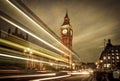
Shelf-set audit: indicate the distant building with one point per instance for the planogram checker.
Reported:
(110, 57)
(88, 65)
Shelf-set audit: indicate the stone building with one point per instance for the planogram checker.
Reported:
(110, 57)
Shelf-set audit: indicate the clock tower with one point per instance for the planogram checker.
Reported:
(66, 35)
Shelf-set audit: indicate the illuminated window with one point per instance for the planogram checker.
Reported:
(116, 50)
(104, 57)
(101, 60)
(117, 54)
(117, 57)
(112, 50)
(113, 54)
(106, 65)
(108, 57)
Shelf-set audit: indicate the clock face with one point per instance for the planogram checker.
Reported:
(64, 31)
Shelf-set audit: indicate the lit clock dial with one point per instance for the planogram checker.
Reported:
(64, 31)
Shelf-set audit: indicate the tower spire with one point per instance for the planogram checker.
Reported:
(66, 14)
(66, 19)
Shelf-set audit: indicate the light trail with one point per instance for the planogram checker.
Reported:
(78, 73)
(33, 75)
(23, 47)
(31, 34)
(40, 28)
(47, 53)
(28, 59)
(50, 78)
(38, 19)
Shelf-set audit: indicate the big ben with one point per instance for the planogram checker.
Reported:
(66, 35)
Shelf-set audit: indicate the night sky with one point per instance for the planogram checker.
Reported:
(92, 22)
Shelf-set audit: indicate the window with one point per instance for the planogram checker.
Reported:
(113, 54)
(108, 57)
(117, 57)
(101, 61)
(107, 65)
(116, 50)
(117, 54)
(104, 57)
(112, 50)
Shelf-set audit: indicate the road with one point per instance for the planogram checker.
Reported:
(73, 78)
(49, 77)
(80, 78)
(68, 78)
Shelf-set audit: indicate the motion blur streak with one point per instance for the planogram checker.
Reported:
(33, 35)
(51, 78)
(40, 28)
(5, 55)
(78, 73)
(15, 76)
(22, 47)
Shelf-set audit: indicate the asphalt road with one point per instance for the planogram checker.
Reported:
(77, 78)
(81, 77)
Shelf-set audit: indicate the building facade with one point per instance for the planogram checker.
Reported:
(66, 35)
(110, 57)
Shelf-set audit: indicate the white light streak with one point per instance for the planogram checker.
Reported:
(51, 78)
(78, 73)
(33, 75)
(26, 50)
(28, 59)
(41, 29)
(31, 34)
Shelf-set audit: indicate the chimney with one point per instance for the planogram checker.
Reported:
(9, 31)
(109, 42)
